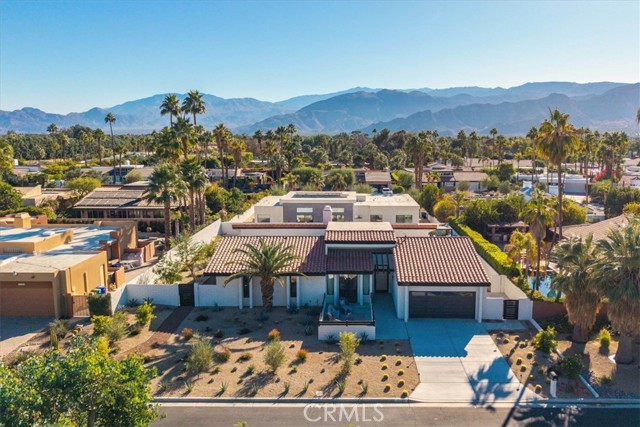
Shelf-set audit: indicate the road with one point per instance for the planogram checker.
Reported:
(267, 415)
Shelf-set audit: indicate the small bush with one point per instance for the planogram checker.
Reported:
(401, 372)
(387, 387)
(530, 355)
(201, 318)
(60, 328)
(218, 333)
(99, 305)
(117, 327)
(383, 358)
(385, 377)
(302, 355)
(364, 387)
(254, 390)
(341, 386)
(604, 338)
(187, 333)
(348, 346)
(287, 387)
(332, 339)
(404, 394)
(144, 313)
(606, 380)
(398, 362)
(250, 370)
(274, 335)
(506, 341)
(384, 367)
(571, 366)
(274, 356)
(102, 344)
(99, 324)
(519, 361)
(244, 357)
(400, 383)
(305, 386)
(538, 388)
(200, 357)
(132, 302)
(224, 355)
(545, 340)
(223, 388)
(357, 361)
(523, 368)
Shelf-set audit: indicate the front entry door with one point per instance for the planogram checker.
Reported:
(349, 288)
(382, 281)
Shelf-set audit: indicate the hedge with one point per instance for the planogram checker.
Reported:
(99, 305)
(497, 259)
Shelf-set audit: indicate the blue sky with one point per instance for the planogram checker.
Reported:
(63, 56)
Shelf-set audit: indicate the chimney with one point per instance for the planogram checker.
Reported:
(22, 220)
(327, 213)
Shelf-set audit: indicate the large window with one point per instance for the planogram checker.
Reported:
(304, 215)
(293, 286)
(375, 218)
(400, 219)
(337, 214)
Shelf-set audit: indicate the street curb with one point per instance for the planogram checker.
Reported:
(251, 400)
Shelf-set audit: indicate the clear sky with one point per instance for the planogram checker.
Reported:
(63, 56)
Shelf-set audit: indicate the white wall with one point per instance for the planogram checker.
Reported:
(325, 331)
(279, 293)
(118, 298)
(161, 294)
(492, 308)
(275, 231)
(224, 296)
(312, 290)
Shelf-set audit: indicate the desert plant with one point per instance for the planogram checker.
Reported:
(332, 339)
(117, 327)
(357, 361)
(400, 383)
(163, 385)
(383, 358)
(218, 333)
(287, 387)
(305, 386)
(348, 346)
(60, 328)
(188, 384)
(224, 355)
(387, 387)
(132, 302)
(545, 340)
(187, 333)
(398, 362)
(274, 335)
(523, 368)
(222, 388)
(604, 338)
(254, 390)
(246, 356)
(200, 357)
(53, 337)
(401, 372)
(341, 385)
(538, 388)
(530, 355)
(404, 394)
(302, 355)
(571, 366)
(364, 387)
(385, 377)
(250, 370)
(102, 344)
(363, 337)
(308, 330)
(144, 313)
(274, 356)
(519, 361)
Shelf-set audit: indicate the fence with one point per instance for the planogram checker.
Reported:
(160, 294)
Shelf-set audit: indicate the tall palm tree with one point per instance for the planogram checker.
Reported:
(86, 138)
(259, 136)
(539, 214)
(520, 243)
(222, 135)
(185, 134)
(53, 130)
(111, 119)
(192, 173)
(418, 147)
(575, 258)
(281, 133)
(194, 104)
(166, 145)
(171, 106)
(99, 137)
(165, 187)
(237, 148)
(532, 136)
(557, 140)
(270, 263)
(616, 273)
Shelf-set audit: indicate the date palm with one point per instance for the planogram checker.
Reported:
(270, 262)
(111, 119)
(259, 136)
(237, 148)
(418, 148)
(194, 104)
(539, 214)
(575, 258)
(185, 134)
(222, 136)
(617, 275)
(165, 187)
(557, 139)
(99, 137)
(171, 106)
(192, 173)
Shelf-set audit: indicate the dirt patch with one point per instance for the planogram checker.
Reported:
(243, 333)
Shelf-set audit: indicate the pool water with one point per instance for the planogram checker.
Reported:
(545, 286)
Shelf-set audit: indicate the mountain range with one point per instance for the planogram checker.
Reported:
(605, 106)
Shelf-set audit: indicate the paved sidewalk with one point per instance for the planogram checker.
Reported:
(458, 362)
(15, 331)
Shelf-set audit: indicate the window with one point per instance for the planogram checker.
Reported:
(293, 286)
(246, 283)
(375, 218)
(366, 284)
(330, 284)
(337, 214)
(264, 218)
(304, 215)
(400, 219)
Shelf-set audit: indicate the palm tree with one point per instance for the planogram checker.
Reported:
(539, 214)
(418, 147)
(575, 258)
(616, 273)
(166, 145)
(259, 136)
(99, 137)
(222, 135)
(557, 140)
(53, 130)
(459, 198)
(281, 133)
(270, 263)
(185, 134)
(532, 135)
(165, 187)
(194, 104)
(189, 170)
(86, 138)
(171, 106)
(237, 148)
(111, 119)
(521, 242)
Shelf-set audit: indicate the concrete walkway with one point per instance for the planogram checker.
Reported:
(458, 362)
(15, 331)
(388, 326)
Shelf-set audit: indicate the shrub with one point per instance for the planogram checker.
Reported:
(305, 386)
(571, 366)
(200, 356)
(385, 377)
(60, 328)
(274, 335)
(250, 370)
(53, 337)
(187, 333)
(116, 327)
(538, 388)
(224, 355)
(201, 318)
(384, 367)
(357, 361)
(244, 357)
(398, 362)
(99, 305)
(604, 338)
(302, 355)
(102, 345)
(505, 341)
(400, 372)
(348, 346)
(341, 386)
(287, 387)
(99, 324)
(274, 356)
(383, 358)
(401, 383)
(545, 340)
(530, 355)
(519, 361)
(218, 333)
(132, 302)
(223, 388)
(491, 253)
(144, 313)
(387, 387)
(364, 387)
(404, 394)
(523, 368)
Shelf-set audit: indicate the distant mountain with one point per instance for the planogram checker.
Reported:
(298, 102)
(612, 110)
(527, 90)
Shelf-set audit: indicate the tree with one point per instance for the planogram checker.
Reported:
(557, 140)
(308, 176)
(165, 187)
(444, 209)
(418, 147)
(575, 258)
(111, 119)
(348, 345)
(185, 134)
(194, 104)
(539, 214)
(195, 179)
(405, 179)
(268, 262)
(518, 243)
(171, 106)
(82, 385)
(428, 197)
(341, 179)
(83, 185)
(237, 148)
(10, 198)
(616, 274)
(191, 256)
(6, 158)
(222, 135)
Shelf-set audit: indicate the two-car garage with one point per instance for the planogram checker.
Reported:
(437, 304)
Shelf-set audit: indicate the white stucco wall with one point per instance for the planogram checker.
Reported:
(224, 296)
(160, 294)
(492, 308)
(312, 290)
(279, 293)
(118, 298)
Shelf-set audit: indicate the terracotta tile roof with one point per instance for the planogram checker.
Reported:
(438, 261)
(598, 229)
(360, 236)
(309, 248)
(343, 261)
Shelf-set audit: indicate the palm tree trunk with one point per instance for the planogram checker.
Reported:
(624, 354)
(580, 334)
(560, 199)
(167, 226)
(192, 210)
(266, 286)
(537, 285)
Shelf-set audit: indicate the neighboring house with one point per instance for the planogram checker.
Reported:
(46, 270)
(340, 206)
(630, 180)
(448, 179)
(36, 196)
(120, 173)
(571, 184)
(474, 179)
(599, 230)
(347, 267)
(378, 179)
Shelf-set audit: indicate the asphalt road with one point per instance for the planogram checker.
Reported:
(392, 416)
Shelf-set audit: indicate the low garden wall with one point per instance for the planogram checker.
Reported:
(543, 310)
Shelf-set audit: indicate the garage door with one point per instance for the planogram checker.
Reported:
(456, 305)
(32, 299)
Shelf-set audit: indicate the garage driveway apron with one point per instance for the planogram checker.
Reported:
(458, 362)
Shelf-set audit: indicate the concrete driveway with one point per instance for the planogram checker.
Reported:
(15, 331)
(458, 362)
